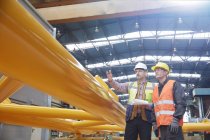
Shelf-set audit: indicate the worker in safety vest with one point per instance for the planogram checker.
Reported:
(169, 105)
(138, 116)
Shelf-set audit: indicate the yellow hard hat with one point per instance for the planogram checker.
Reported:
(161, 65)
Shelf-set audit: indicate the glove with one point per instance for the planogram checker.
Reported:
(155, 128)
(174, 126)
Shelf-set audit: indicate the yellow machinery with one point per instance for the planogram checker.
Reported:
(30, 55)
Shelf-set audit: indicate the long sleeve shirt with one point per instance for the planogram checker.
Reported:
(120, 87)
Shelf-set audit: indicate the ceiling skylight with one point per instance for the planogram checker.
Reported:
(147, 58)
(152, 74)
(135, 36)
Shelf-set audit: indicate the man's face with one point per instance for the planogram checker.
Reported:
(140, 74)
(160, 73)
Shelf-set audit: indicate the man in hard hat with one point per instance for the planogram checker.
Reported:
(138, 117)
(169, 104)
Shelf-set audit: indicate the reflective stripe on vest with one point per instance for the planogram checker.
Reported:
(164, 102)
(164, 112)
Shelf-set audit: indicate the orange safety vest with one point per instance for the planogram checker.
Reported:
(164, 104)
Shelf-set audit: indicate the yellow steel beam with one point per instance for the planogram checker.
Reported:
(46, 112)
(88, 123)
(90, 138)
(196, 127)
(44, 64)
(6, 101)
(8, 86)
(112, 128)
(94, 138)
(51, 123)
(54, 124)
(65, 125)
(109, 91)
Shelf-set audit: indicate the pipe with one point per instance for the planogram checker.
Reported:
(8, 86)
(47, 112)
(109, 91)
(44, 64)
(91, 138)
(196, 127)
(54, 124)
(95, 138)
(112, 128)
(74, 126)
(88, 123)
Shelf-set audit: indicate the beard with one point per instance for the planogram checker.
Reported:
(138, 77)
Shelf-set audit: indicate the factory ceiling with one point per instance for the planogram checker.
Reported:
(114, 35)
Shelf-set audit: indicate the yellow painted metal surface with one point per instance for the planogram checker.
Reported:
(46, 112)
(8, 86)
(98, 138)
(196, 127)
(46, 117)
(6, 101)
(109, 91)
(54, 124)
(90, 138)
(187, 127)
(88, 123)
(43, 63)
(112, 128)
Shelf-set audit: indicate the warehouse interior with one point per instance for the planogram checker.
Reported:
(55, 55)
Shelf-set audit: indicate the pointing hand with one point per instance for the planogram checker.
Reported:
(109, 75)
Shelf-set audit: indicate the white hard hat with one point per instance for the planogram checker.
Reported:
(140, 66)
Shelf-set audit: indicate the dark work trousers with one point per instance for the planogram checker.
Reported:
(165, 134)
(136, 127)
